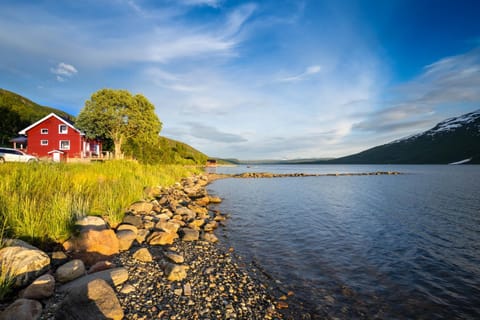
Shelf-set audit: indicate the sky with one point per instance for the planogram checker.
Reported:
(274, 79)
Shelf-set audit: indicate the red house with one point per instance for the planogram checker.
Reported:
(56, 138)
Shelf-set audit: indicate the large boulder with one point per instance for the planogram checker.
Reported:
(23, 261)
(92, 300)
(91, 222)
(70, 271)
(93, 245)
(115, 276)
(167, 226)
(41, 288)
(22, 309)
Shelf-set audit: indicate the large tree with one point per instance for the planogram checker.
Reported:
(120, 116)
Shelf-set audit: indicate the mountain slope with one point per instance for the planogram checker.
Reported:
(452, 140)
(18, 112)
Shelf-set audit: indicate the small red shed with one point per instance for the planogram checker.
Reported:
(52, 135)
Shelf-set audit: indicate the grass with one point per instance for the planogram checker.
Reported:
(40, 202)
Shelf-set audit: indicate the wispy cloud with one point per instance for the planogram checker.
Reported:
(210, 3)
(309, 71)
(450, 83)
(64, 70)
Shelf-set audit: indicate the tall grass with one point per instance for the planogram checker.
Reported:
(39, 202)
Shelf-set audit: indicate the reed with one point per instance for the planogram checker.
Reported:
(39, 203)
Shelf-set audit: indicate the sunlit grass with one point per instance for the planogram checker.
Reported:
(38, 203)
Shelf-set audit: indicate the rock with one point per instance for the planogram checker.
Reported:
(210, 237)
(140, 207)
(143, 255)
(125, 239)
(212, 225)
(162, 238)
(167, 226)
(125, 226)
(153, 192)
(196, 224)
(70, 271)
(93, 245)
(203, 202)
(114, 277)
(22, 309)
(128, 288)
(133, 220)
(93, 300)
(58, 258)
(42, 288)
(187, 289)
(175, 257)
(186, 213)
(148, 225)
(163, 216)
(23, 261)
(91, 222)
(175, 272)
(101, 265)
(214, 199)
(142, 235)
(190, 234)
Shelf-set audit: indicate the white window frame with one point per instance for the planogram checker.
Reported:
(60, 126)
(65, 147)
(44, 142)
(44, 131)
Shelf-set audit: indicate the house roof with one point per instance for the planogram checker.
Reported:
(24, 131)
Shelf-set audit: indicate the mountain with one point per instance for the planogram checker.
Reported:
(19, 112)
(452, 140)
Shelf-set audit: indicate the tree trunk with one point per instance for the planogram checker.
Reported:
(118, 147)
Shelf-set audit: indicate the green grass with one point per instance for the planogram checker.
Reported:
(40, 202)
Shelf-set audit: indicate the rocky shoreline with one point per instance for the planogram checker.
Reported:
(161, 262)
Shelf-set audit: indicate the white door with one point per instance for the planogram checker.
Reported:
(56, 157)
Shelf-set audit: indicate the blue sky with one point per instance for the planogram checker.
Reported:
(254, 79)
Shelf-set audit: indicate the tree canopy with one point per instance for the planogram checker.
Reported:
(120, 116)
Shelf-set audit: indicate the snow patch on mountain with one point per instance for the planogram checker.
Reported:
(448, 125)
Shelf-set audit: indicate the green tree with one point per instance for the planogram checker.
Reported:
(120, 116)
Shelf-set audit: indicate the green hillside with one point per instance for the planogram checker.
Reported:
(18, 112)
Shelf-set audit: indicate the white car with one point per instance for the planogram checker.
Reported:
(13, 155)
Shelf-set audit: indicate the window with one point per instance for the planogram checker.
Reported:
(62, 129)
(44, 131)
(65, 145)
(44, 142)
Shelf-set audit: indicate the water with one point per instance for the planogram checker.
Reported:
(395, 247)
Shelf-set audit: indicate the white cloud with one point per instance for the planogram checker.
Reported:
(63, 71)
(309, 71)
(210, 3)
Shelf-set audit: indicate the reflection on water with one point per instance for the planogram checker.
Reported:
(403, 246)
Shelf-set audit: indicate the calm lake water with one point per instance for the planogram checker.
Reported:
(389, 247)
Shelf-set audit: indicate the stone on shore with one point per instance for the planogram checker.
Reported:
(70, 271)
(210, 237)
(167, 226)
(174, 257)
(93, 245)
(125, 239)
(175, 272)
(142, 235)
(42, 288)
(162, 238)
(114, 276)
(22, 309)
(190, 234)
(92, 300)
(101, 265)
(126, 226)
(141, 207)
(91, 222)
(133, 220)
(143, 255)
(23, 261)
(214, 199)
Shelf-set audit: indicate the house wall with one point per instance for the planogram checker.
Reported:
(53, 137)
